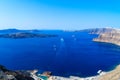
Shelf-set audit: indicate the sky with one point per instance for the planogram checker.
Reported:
(59, 14)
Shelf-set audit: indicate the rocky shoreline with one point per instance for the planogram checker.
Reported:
(6, 74)
(109, 35)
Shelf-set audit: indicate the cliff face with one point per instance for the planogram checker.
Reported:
(109, 36)
(101, 30)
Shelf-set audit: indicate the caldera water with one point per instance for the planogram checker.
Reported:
(71, 53)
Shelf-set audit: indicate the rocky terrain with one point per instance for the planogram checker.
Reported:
(108, 35)
(112, 75)
(25, 35)
(101, 30)
(6, 74)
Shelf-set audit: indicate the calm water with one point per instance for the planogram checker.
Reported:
(75, 54)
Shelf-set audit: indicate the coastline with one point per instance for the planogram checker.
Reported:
(113, 74)
(31, 75)
(96, 40)
(107, 35)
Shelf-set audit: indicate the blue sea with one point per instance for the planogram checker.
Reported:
(71, 53)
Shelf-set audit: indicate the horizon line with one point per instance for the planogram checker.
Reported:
(56, 29)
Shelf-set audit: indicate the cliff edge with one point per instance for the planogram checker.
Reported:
(109, 36)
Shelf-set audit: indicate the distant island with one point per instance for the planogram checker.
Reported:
(108, 35)
(25, 35)
(16, 33)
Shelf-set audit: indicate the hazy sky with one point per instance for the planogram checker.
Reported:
(59, 14)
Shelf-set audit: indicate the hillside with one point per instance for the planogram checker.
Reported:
(108, 35)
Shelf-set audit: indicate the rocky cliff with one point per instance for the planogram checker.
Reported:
(109, 35)
(101, 30)
(6, 74)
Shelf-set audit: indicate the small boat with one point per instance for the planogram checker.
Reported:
(62, 39)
